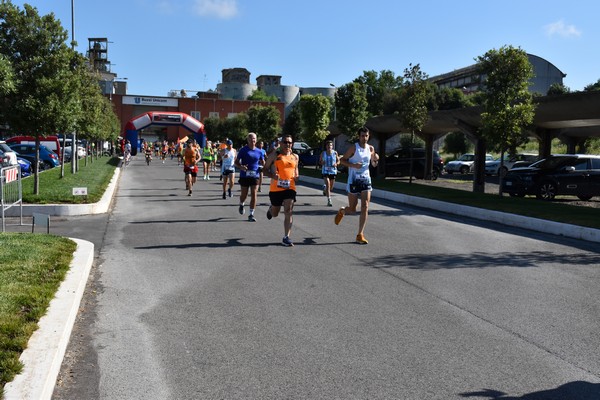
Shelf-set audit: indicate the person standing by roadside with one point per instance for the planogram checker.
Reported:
(282, 167)
(190, 167)
(329, 161)
(248, 160)
(357, 158)
(227, 168)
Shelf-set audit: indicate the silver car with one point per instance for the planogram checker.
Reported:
(496, 168)
(464, 164)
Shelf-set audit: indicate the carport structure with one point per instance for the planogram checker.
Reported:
(571, 117)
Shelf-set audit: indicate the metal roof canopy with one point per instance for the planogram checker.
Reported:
(573, 114)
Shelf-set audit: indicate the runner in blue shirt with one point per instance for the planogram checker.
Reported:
(248, 161)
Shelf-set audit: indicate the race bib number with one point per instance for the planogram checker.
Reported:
(251, 174)
(284, 184)
(329, 170)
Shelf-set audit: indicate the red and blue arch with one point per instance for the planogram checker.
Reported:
(163, 118)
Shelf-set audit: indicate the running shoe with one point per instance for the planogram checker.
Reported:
(339, 216)
(324, 190)
(208, 177)
(329, 203)
(269, 215)
(224, 196)
(229, 192)
(241, 209)
(361, 239)
(251, 218)
(286, 241)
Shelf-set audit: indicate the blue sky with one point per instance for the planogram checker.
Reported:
(163, 45)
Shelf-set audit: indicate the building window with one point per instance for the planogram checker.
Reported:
(195, 114)
(231, 114)
(213, 114)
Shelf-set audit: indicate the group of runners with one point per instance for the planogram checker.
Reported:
(281, 166)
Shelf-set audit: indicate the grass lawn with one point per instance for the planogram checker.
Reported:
(95, 176)
(32, 266)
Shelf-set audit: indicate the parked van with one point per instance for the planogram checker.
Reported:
(51, 142)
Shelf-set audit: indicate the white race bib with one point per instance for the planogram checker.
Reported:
(284, 184)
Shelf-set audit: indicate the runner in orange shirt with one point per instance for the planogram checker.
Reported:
(282, 167)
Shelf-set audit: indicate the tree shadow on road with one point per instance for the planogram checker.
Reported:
(577, 390)
(480, 260)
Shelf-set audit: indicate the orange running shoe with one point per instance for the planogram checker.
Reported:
(361, 239)
(339, 216)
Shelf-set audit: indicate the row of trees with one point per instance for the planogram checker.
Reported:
(46, 86)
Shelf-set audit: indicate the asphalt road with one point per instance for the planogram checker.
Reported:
(188, 300)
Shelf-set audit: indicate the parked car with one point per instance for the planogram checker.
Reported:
(51, 142)
(67, 153)
(8, 156)
(47, 156)
(398, 163)
(308, 157)
(575, 175)
(299, 146)
(25, 167)
(465, 163)
(495, 167)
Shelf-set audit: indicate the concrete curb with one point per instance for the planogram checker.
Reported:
(519, 221)
(46, 348)
(71, 209)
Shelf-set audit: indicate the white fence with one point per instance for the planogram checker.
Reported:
(11, 191)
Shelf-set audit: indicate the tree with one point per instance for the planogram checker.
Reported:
(264, 121)
(45, 99)
(414, 103)
(260, 95)
(315, 117)
(236, 128)
(212, 127)
(445, 98)
(293, 122)
(592, 86)
(7, 76)
(507, 103)
(351, 108)
(456, 143)
(557, 89)
(377, 87)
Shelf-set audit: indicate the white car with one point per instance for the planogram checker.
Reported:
(493, 167)
(80, 153)
(8, 156)
(464, 164)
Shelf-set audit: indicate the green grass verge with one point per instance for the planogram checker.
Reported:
(55, 189)
(527, 206)
(32, 267)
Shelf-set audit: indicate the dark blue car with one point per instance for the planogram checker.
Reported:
(25, 167)
(47, 156)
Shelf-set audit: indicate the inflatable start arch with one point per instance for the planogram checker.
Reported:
(163, 118)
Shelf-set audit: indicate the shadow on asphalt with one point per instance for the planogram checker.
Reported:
(579, 390)
(479, 260)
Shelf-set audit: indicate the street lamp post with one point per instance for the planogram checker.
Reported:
(334, 108)
(334, 112)
(74, 139)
